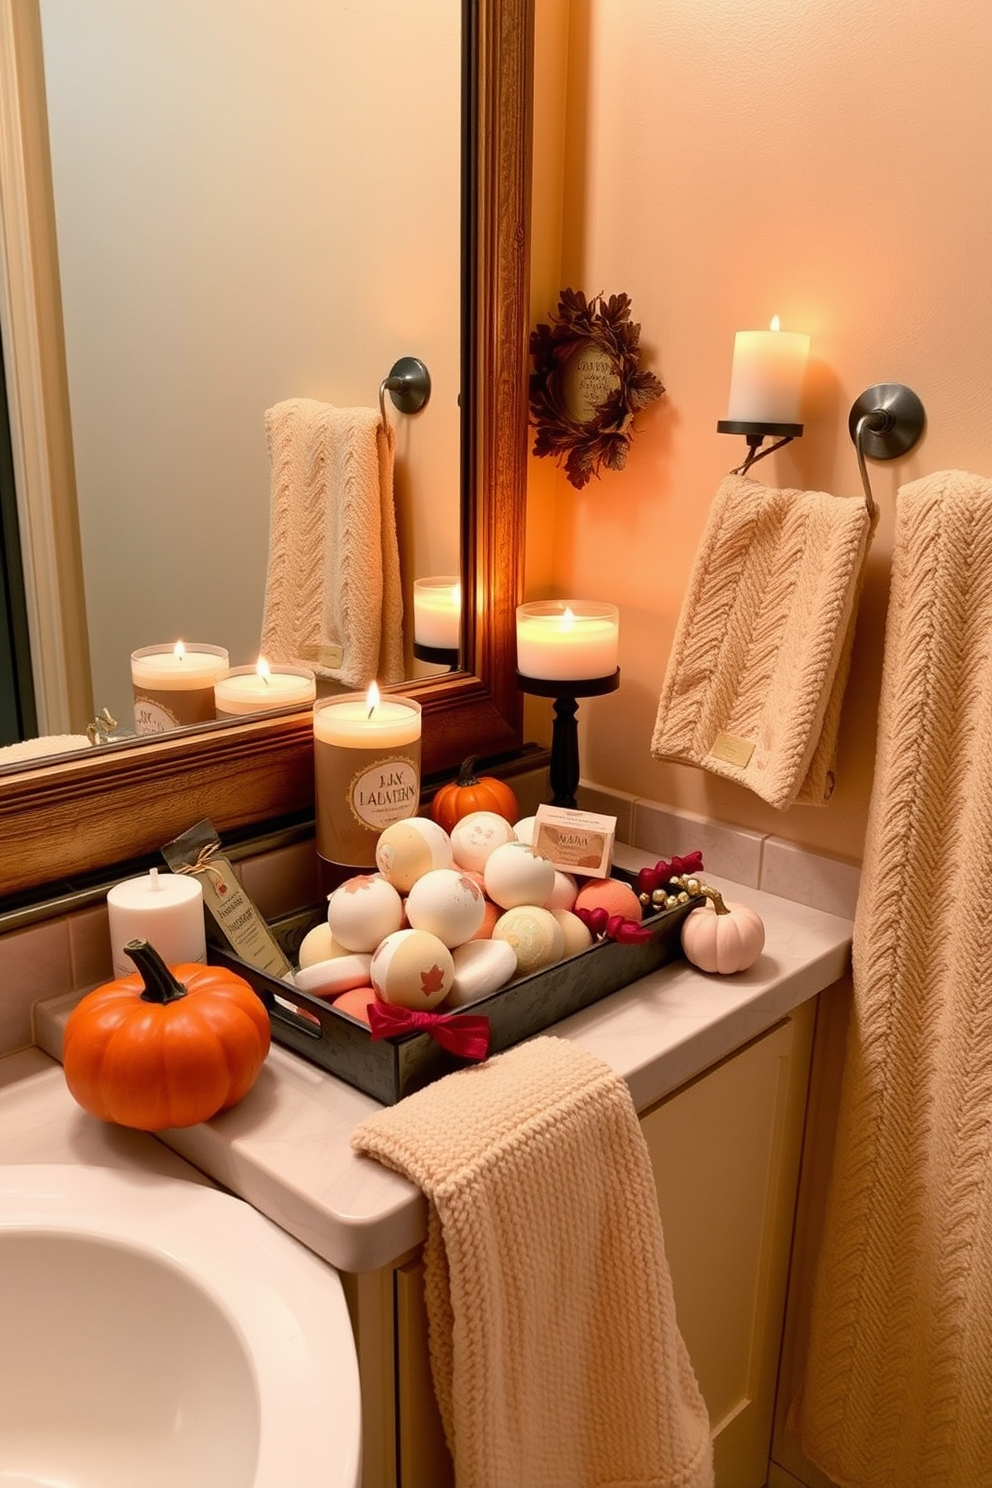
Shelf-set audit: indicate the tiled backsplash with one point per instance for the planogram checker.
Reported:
(73, 951)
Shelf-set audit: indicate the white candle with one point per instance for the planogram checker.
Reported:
(177, 668)
(568, 640)
(766, 379)
(166, 909)
(362, 722)
(437, 613)
(256, 689)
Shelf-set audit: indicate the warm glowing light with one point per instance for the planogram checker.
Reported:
(263, 669)
(179, 651)
(776, 324)
(567, 619)
(373, 698)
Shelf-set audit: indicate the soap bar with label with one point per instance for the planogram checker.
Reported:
(579, 842)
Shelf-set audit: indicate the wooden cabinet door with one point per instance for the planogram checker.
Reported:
(725, 1151)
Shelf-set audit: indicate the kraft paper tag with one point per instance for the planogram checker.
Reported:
(731, 750)
(328, 655)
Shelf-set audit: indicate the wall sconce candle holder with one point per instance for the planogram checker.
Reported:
(756, 434)
(563, 772)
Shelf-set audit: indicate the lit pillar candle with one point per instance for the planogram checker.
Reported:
(766, 379)
(437, 613)
(258, 689)
(567, 640)
(166, 909)
(174, 685)
(367, 771)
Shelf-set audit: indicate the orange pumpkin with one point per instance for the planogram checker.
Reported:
(471, 792)
(165, 1047)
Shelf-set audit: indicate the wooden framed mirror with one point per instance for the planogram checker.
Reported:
(65, 818)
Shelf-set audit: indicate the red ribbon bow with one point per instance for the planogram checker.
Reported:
(614, 927)
(465, 1034)
(649, 879)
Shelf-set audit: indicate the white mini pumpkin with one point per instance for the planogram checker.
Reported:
(722, 937)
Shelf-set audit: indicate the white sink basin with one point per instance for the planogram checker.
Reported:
(161, 1334)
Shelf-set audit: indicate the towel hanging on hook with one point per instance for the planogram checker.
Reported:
(885, 422)
(408, 384)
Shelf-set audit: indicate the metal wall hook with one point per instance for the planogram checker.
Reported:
(884, 423)
(408, 384)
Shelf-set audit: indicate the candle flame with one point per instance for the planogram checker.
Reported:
(263, 669)
(567, 619)
(372, 697)
(179, 651)
(776, 324)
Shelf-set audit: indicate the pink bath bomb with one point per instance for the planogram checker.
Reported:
(611, 894)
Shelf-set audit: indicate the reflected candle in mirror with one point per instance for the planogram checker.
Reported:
(366, 771)
(166, 909)
(567, 640)
(173, 685)
(259, 689)
(766, 378)
(437, 612)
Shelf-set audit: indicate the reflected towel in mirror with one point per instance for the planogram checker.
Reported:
(333, 600)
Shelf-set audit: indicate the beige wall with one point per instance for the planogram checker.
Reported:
(723, 161)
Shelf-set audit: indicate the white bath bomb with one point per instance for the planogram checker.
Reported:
(475, 836)
(535, 935)
(340, 974)
(412, 969)
(447, 903)
(481, 967)
(578, 936)
(363, 910)
(563, 895)
(408, 849)
(525, 828)
(516, 874)
(319, 945)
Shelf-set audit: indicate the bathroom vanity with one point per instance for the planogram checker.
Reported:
(718, 1069)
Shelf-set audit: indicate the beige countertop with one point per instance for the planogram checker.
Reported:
(286, 1147)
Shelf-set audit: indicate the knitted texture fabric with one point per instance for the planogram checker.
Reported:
(332, 595)
(898, 1380)
(556, 1357)
(758, 667)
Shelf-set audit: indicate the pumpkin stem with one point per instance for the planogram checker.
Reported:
(466, 774)
(716, 897)
(160, 984)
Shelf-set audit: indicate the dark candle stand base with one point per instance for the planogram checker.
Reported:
(439, 655)
(563, 773)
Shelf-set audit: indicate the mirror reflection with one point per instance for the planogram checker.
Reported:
(245, 219)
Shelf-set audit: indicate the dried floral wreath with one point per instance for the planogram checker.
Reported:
(587, 384)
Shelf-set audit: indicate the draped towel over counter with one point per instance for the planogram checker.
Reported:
(556, 1358)
(760, 659)
(333, 599)
(898, 1387)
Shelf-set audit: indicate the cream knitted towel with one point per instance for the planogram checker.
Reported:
(898, 1390)
(759, 663)
(332, 594)
(556, 1357)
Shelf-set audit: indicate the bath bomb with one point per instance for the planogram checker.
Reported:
(490, 914)
(447, 903)
(611, 894)
(363, 910)
(408, 849)
(525, 829)
(481, 967)
(578, 936)
(356, 1003)
(563, 894)
(412, 969)
(319, 945)
(516, 874)
(535, 935)
(475, 836)
(340, 974)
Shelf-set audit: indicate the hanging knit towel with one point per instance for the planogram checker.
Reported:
(759, 663)
(898, 1387)
(556, 1358)
(332, 594)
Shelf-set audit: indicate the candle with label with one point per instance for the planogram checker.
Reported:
(567, 640)
(367, 771)
(766, 379)
(258, 689)
(437, 613)
(166, 909)
(173, 686)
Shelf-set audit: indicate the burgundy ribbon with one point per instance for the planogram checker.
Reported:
(465, 1034)
(614, 927)
(649, 879)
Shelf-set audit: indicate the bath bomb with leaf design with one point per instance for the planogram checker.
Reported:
(517, 874)
(449, 904)
(363, 910)
(412, 969)
(405, 850)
